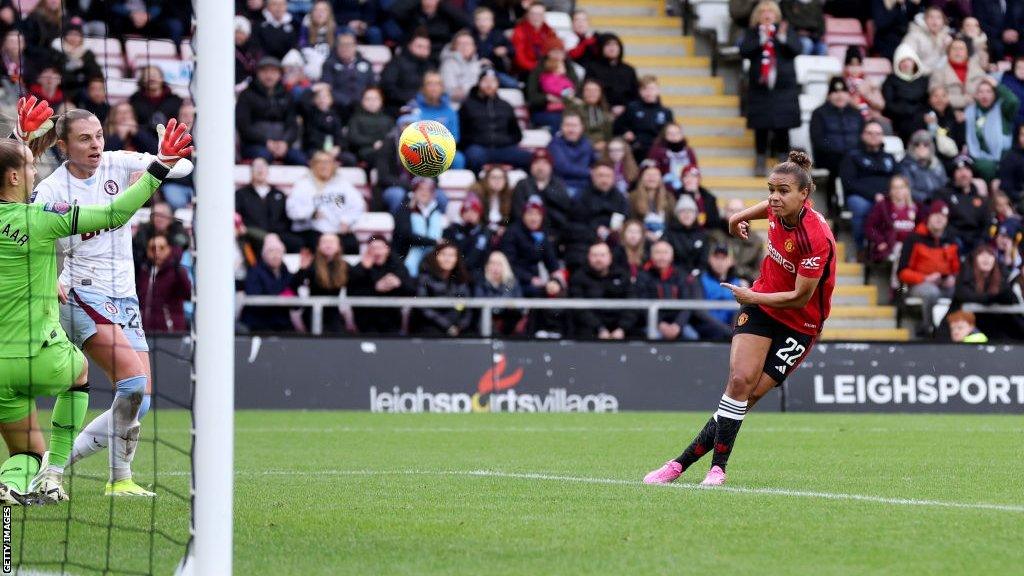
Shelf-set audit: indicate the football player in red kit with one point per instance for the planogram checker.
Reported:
(780, 315)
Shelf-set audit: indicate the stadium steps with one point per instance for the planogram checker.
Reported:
(870, 334)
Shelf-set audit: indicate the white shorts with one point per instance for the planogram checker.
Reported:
(85, 310)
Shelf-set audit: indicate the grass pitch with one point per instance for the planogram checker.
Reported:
(356, 493)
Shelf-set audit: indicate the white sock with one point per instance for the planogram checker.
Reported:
(729, 408)
(93, 438)
(124, 434)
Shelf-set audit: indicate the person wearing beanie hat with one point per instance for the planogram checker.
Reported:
(969, 213)
(929, 263)
(541, 185)
(686, 203)
(490, 130)
(247, 53)
(534, 258)
(865, 95)
(835, 130)
(688, 239)
(471, 236)
(266, 117)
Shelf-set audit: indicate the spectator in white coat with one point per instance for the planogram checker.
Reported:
(323, 202)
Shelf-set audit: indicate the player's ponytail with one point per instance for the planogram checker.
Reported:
(798, 165)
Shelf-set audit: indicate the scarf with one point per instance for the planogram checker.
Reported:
(960, 70)
(767, 54)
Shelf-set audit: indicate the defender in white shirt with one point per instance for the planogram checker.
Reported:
(100, 309)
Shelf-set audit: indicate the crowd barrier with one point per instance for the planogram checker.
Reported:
(492, 375)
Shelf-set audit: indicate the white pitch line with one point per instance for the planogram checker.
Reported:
(636, 483)
(582, 429)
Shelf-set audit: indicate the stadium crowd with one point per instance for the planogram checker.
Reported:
(613, 206)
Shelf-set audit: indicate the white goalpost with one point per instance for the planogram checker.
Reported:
(211, 551)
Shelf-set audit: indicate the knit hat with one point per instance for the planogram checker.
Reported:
(690, 169)
(293, 58)
(838, 84)
(534, 204)
(685, 202)
(938, 207)
(487, 71)
(541, 154)
(472, 202)
(1009, 227)
(963, 161)
(269, 61)
(242, 24)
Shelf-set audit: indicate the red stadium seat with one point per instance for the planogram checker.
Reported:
(456, 183)
(138, 50)
(843, 26)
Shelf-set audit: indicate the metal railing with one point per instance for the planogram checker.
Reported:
(485, 305)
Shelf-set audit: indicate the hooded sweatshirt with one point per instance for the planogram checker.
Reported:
(458, 74)
(930, 47)
(906, 95)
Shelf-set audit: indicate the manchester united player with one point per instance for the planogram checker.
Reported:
(780, 317)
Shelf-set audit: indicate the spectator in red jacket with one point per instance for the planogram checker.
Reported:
(163, 287)
(532, 38)
(930, 262)
(891, 221)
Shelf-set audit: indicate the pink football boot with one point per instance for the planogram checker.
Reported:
(715, 477)
(666, 474)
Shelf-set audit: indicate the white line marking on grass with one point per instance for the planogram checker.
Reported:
(581, 429)
(636, 483)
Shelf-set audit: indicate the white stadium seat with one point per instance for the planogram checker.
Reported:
(514, 96)
(533, 139)
(713, 15)
(894, 145)
(560, 22)
(376, 55)
(515, 176)
(370, 223)
(101, 46)
(456, 183)
(817, 68)
(138, 50)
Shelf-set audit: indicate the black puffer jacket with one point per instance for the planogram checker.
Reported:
(401, 78)
(834, 132)
(617, 78)
(691, 246)
(262, 115)
(645, 121)
(276, 40)
(778, 106)
(488, 122)
(590, 210)
(867, 173)
(615, 284)
(906, 102)
(439, 320)
(362, 281)
(556, 200)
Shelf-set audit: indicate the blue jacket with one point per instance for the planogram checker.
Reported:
(572, 161)
(441, 112)
(713, 290)
(260, 281)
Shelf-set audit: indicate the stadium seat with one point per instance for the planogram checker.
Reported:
(817, 69)
(357, 178)
(456, 183)
(713, 15)
(514, 96)
(243, 174)
(284, 177)
(894, 145)
(141, 216)
(184, 215)
(292, 262)
(138, 50)
(103, 46)
(376, 55)
(560, 22)
(374, 223)
(514, 176)
(800, 137)
(119, 89)
(808, 102)
(186, 50)
(533, 139)
(27, 6)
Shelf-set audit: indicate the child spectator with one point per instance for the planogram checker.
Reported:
(263, 210)
(906, 93)
(266, 118)
(865, 172)
(277, 33)
(572, 153)
(650, 201)
(959, 75)
(122, 132)
(968, 211)
(418, 225)
(532, 38)
(548, 87)
(928, 39)
(492, 132)
(688, 239)
(493, 46)
(433, 104)
(269, 277)
(618, 153)
(891, 221)
(323, 202)
(673, 154)
(496, 280)
(402, 76)
(864, 95)
(772, 99)
(534, 259)
(471, 236)
(963, 328)
(163, 287)
(368, 126)
(991, 116)
(618, 79)
(719, 270)
(493, 190)
(663, 281)
(922, 168)
(460, 66)
(379, 274)
(598, 279)
(593, 108)
(322, 127)
(444, 276)
(326, 275)
(929, 263)
(644, 119)
(347, 73)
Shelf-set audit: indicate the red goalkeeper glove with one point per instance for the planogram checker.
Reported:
(33, 118)
(175, 142)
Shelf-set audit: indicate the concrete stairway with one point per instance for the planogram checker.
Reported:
(725, 147)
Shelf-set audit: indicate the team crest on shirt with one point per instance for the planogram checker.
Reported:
(111, 187)
(742, 319)
(789, 245)
(110, 308)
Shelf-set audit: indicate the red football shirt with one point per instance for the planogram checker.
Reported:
(808, 249)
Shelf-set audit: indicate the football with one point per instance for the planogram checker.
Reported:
(426, 148)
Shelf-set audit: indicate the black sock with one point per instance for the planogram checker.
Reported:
(700, 446)
(725, 437)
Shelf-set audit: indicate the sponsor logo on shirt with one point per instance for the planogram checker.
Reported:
(813, 262)
(61, 208)
(775, 255)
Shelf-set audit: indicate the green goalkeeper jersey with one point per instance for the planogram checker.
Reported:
(29, 309)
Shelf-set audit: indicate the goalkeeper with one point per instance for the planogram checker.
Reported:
(36, 357)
